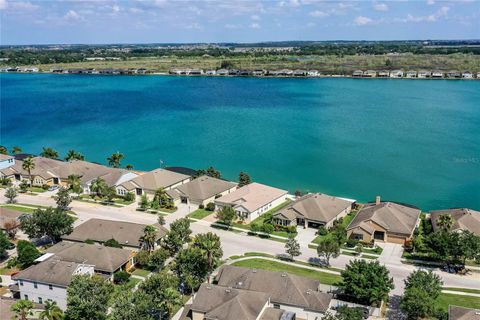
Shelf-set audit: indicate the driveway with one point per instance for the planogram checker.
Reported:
(305, 236)
(392, 253)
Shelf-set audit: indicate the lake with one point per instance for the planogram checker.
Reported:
(411, 141)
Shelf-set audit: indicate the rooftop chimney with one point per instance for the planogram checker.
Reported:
(377, 200)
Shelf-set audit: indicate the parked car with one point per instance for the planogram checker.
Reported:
(53, 188)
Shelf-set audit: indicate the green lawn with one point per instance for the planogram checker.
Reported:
(323, 277)
(8, 271)
(367, 256)
(17, 208)
(446, 299)
(200, 214)
(346, 221)
(462, 290)
(132, 282)
(36, 189)
(141, 272)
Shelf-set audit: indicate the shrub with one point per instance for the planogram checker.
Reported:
(112, 243)
(89, 241)
(352, 243)
(201, 206)
(210, 206)
(142, 258)
(129, 196)
(322, 231)
(121, 277)
(12, 262)
(45, 186)
(291, 229)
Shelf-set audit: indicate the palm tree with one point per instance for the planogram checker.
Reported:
(445, 222)
(16, 150)
(28, 165)
(51, 311)
(171, 298)
(209, 244)
(149, 237)
(74, 182)
(48, 152)
(3, 150)
(115, 159)
(74, 155)
(22, 308)
(129, 167)
(97, 187)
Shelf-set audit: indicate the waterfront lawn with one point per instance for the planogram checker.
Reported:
(200, 214)
(446, 299)
(323, 277)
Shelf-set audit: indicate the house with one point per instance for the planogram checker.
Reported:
(313, 210)
(411, 74)
(293, 293)
(357, 74)
(437, 74)
(222, 303)
(383, 74)
(252, 200)
(299, 73)
(258, 72)
(384, 221)
(148, 183)
(41, 174)
(424, 74)
(313, 73)
(462, 313)
(6, 161)
(370, 74)
(7, 314)
(245, 73)
(9, 219)
(396, 74)
(454, 74)
(48, 280)
(463, 218)
(204, 190)
(128, 234)
(210, 72)
(105, 260)
(467, 75)
(478, 75)
(222, 72)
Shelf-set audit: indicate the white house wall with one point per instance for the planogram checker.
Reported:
(57, 294)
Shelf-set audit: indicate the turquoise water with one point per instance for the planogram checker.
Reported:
(416, 142)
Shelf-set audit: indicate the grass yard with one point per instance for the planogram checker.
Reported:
(141, 272)
(200, 214)
(17, 208)
(8, 271)
(367, 256)
(323, 277)
(346, 221)
(446, 299)
(36, 189)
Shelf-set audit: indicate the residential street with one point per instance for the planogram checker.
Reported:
(239, 243)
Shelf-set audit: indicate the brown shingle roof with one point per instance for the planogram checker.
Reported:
(51, 271)
(316, 206)
(126, 233)
(462, 313)
(464, 219)
(393, 217)
(222, 303)
(105, 259)
(283, 288)
(252, 196)
(42, 167)
(155, 179)
(204, 187)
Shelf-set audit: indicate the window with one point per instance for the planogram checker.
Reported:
(25, 296)
(35, 285)
(276, 306)
(50, 287)
(21, 282)
(40, 300)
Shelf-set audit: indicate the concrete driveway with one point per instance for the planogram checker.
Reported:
(392, 253)
(305, 236)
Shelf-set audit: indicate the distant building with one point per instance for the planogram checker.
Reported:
(437, 74)
(204, 190)
(9, 219)
(313, 73)
(370, 74)
(467, 75)
(383, 74)
(463, 219)
(396, 74)
(357, 74)
(453, 74)
(424, 74)
(41, 174)
(222, 72)
(411, 74)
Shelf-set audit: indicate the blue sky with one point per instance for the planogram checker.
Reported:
(147, 21)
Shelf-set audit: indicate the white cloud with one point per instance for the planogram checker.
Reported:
(21, 5)
(290, 3)
(194, 25)
(441, 13)
(3, 4)
(233, 26)
(255, 17)
(115, 8)
(361, 21)
(255, 26)
(72, 15)
(430, 2)
(380, 7)
(319, 14)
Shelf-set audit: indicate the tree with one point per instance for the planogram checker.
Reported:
(87, 297)
(11, 193)
(328, 248)
(226, 215)
(16, 150)
(422, 288)
(4, 245)
(50, 222)
(359, 249)
(298, 193)
(243, 179)
(155, 287)
(267, 228)
(143, 204)
(121, 277)
(161, 219)
(26, 253)
(171, 298)
(339, 233)
(191, 268)
(3, 150)
(50, 153)
(445, 222)
(74, 183)
(469, 245)
(211, 248)
(158, 258)
(149, 238)
(98, 187)
(22, 309)
(129, 167)
(112, 243)
(24, 186)
(51, 311)
(115, 159)
(439, 244)
(63, 199)
(214, 173)
(143, 258)
(292, 248)
(109, 193)
(368, 282)
(129, 196)
(178, 235)
(29, 165)
(130, 305)
(4, 181)
(73, 155)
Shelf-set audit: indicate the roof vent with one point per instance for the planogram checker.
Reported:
(254, 270)
(239, 283)
(228, 290)
(309, 291)
(284, 274)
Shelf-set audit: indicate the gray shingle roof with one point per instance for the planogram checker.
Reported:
(315, 206)
(106, 259)
(283, 288)
(7, 215)
(393, 217)
(462, 313)
(204, 187)
(42, 167)
(152, 180)
(51, 271)
(126, 233)
(464, 219)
